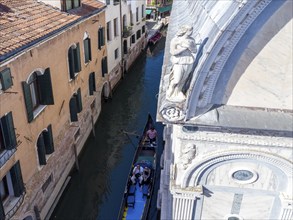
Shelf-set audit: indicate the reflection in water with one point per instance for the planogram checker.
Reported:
(95, 191)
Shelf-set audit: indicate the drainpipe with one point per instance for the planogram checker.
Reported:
(121, 41)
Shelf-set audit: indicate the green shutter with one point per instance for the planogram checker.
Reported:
(8, 131)
(103, 36)
(45, 88)
(92, 83)
(48, 140)
(79, 101)
(71, 63)
(41, 150)
(90, 50)
(2, 213)
(6, 79)
(17, 180)
(100, 38)
(28, 101)
(86, 50)
(77, 64)
(73, 109)
(104, 66)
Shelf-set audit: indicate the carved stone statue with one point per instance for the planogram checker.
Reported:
(183, 50)
(188, 154)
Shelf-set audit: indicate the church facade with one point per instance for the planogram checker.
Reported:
(226, 102)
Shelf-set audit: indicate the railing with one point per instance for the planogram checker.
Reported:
(5, 155)
(12, 211)
(127, 31)
(116, 2)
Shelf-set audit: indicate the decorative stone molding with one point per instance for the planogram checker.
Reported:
(194, 172)
(240, 139)
(172, 113)
(187, 155)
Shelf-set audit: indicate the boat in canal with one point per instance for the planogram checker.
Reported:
(139, 188)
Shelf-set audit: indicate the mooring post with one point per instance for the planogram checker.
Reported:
(75, 156)
(93, 126)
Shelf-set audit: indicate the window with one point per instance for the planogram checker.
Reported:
(70, 4)
(109, 31)
(101, 37)
(116, 53)
(11, 188)
(138, 34)
(45, 145)
(116, 2)
(115, 27)
(124, 24)
(133, 39)
(108, 2)
(104, 66)
(7, 133)
(143, 29)
(142, 11)
(92, 83)
(137, 14)
(5, 79)
(131, 18)
(87, 48)
(75, 105)
(37, 92)
(74, 60)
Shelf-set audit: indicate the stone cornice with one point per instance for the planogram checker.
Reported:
(241, 139)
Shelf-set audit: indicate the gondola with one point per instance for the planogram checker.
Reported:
(137, 197)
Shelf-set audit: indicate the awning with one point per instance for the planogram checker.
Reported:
(148, 11)
(164, 9)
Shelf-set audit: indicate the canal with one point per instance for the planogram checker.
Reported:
(96, 190)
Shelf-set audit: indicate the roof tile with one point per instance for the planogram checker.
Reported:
(24, 21)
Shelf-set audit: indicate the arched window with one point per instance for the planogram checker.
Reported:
(75, 105)
(37, 92)
(45, 145)
(74, 60)
(87, 48)
(92, 83)
(101, 37)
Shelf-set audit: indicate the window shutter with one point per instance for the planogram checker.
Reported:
(71, 63)
(92, 83)
(104, 66)
(103, 36)
(77, 64)
(17, 180)
(5, 79)
(99, 38)
(48, 140)
(28, 101)
(79, 101)
(8, 131)
(45, 88)
(73, 109)
(41, 150)
(86, 50)
(2, 213)
(89, 47)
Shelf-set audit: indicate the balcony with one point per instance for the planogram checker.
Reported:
(116, 2)
(13, 205)
(127, 31)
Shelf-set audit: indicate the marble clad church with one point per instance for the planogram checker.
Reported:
(228, 129)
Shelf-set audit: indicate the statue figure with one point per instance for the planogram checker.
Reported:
(188, 153)
(183, 50)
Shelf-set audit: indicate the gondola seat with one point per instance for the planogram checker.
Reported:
(130, 201)
(145, 190)
(131, 190)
